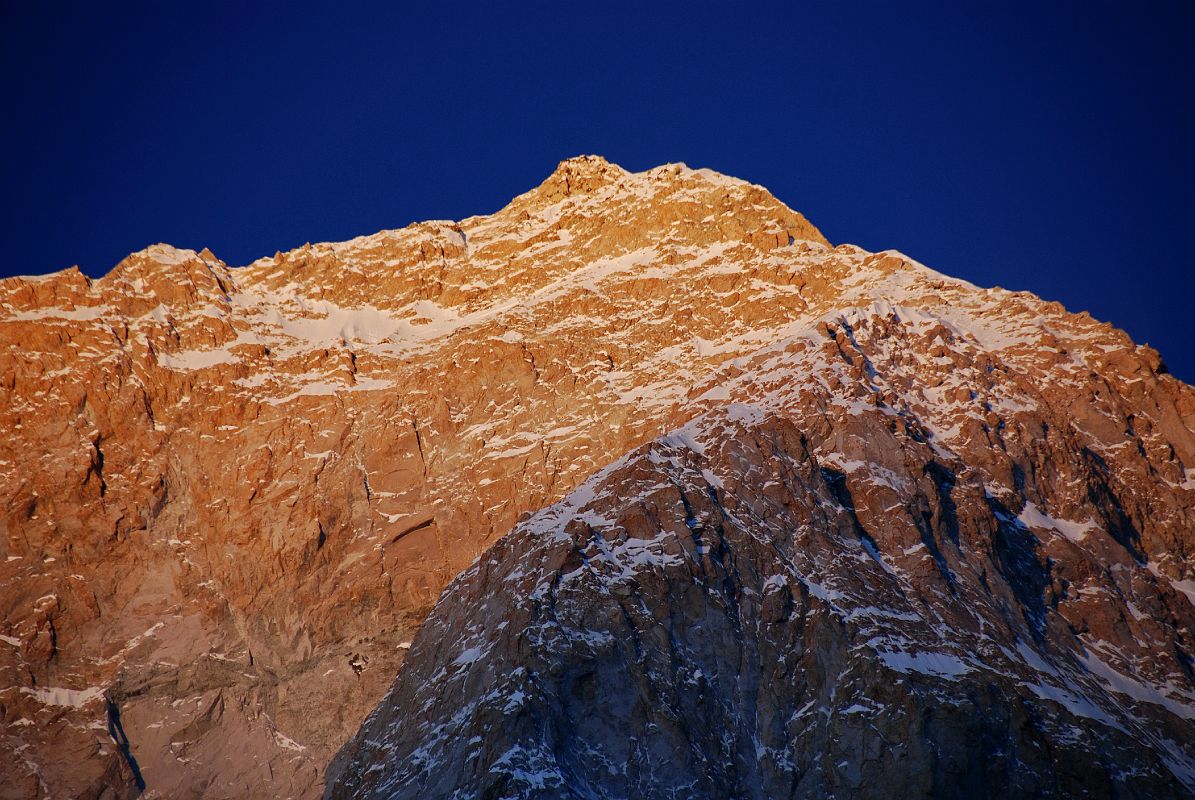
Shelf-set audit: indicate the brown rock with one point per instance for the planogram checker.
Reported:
(244, 488)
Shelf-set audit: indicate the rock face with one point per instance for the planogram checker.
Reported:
(732, 611)
(904, 529)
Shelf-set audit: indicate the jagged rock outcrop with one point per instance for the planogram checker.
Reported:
(711, 616)
(231, 495)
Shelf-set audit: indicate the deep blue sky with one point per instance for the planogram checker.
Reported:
(1041, 146)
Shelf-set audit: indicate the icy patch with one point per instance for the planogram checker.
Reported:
(1032, 517)
(877, 474)
(1135, 689)
(1187, 587)
(683, 439)
(635, 555)
(824, 593)
(529, 769)
(716, 393)
(168, 254)
(83, 314)
(745, 413)
(1072, 698)
(469, 656)
(327, 388)
(288, 743)
(195, 359)
(1073, 702)
(136, 640)
(366, 324)
(69, 698)
(937, 664)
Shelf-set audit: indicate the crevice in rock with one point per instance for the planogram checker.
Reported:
(116, 731)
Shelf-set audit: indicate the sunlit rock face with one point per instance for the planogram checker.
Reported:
(927, 533)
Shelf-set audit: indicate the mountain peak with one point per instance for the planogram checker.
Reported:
(754, 454)
(583, 163)
(671, 199)
(580, 175)
(168, 274)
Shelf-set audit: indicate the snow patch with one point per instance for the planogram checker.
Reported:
(1032, 517)
(941, 665)
(188, 360)
(68, 698)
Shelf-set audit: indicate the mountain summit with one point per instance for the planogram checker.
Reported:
(638, 485)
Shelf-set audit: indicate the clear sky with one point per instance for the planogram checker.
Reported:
(1040, 146)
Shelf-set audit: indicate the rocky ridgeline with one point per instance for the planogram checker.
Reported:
(231, 496)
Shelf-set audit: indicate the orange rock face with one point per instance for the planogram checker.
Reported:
(230, 496)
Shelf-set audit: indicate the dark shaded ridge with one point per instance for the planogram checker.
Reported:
(1116, 520)
(116, 731)
(1018, 559)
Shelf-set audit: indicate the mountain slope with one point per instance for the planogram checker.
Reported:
(231, 495)
(711, 617)
(839, 589)
(937, 540)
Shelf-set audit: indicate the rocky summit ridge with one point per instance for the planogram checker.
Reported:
(804, 519)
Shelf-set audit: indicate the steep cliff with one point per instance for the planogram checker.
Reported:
(232, 495)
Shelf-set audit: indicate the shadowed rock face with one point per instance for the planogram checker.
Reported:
(230, 496)
(708, 618)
